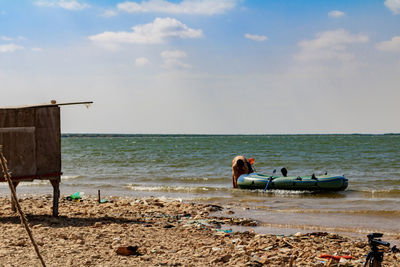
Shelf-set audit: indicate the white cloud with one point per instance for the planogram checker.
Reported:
(37, 49)
(329, 45)
(255, 37)
(6, 38)
(72, 5)
(8, 48)
(390, 46)
(202, 7)
(160, 30)
(66, 4)
(109, 13)
(393, 5)
(173, 59)
(141, 61)
(336, 14)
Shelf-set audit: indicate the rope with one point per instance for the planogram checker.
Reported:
(24, 221)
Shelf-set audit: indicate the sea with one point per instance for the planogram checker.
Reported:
(197, 168)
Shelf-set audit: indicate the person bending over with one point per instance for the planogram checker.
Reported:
(240, 165)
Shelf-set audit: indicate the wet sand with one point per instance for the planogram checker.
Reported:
(166, 233)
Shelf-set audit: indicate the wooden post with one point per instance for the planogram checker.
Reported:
(98, 193)
(13, 204)
(56, 195)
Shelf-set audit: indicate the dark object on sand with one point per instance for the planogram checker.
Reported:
(375, 255)
(128, 251)
(213, 208)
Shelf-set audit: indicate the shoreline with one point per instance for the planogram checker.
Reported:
(167, 232)
(272, 219)
(356, 224)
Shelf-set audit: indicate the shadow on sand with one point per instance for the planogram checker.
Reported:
(64, 221)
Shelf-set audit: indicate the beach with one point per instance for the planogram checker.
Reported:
(170, 198)
(167, 232)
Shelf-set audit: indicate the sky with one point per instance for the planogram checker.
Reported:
(206, 66)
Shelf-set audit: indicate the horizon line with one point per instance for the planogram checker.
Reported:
(206, 134)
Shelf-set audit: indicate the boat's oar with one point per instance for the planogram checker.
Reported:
(269, 180)
(284, 172)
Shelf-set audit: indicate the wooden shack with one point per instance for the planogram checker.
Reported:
(31, 139)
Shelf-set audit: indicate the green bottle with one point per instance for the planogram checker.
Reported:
(75, 196)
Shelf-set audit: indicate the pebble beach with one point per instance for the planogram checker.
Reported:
(163, 232)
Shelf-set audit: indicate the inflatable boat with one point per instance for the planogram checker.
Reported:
(309, 183)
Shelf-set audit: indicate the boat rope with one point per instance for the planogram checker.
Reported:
(24, 221)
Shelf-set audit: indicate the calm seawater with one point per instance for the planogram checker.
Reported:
(198, 168)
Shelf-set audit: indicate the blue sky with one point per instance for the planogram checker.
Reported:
(204, 66)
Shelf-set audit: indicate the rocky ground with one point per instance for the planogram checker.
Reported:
(161, 233)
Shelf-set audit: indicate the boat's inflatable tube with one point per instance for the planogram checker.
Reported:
(309, 183)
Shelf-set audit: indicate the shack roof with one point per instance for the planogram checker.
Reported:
(47, 105)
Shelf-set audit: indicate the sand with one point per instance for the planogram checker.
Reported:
(166, 233)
